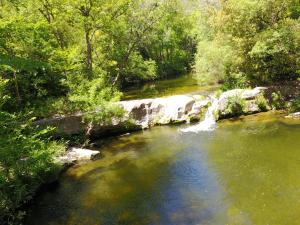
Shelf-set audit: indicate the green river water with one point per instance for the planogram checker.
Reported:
(246, 171)
(176, 86)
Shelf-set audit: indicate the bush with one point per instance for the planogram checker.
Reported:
(235, 80)
(295, 104)
(262, 102)
(277, 100)
(235, 106)
(97, 99)
(212, 61)
(26, 161)
(218, 93)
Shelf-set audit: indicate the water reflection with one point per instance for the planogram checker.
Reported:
(176, 86)
(257, 163)
(242, 173)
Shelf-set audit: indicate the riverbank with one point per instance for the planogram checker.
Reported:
(146, 113)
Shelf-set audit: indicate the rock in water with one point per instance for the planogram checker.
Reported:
(78, 154)
(248, 96)
(294, 115)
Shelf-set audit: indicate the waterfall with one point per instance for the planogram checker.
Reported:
(209, 123)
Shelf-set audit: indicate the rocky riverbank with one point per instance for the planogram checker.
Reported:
(145, 113)
(138, 114)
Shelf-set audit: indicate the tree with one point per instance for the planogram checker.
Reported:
(172, 43)
(263, 36)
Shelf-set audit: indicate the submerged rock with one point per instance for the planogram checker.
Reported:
(74, 155)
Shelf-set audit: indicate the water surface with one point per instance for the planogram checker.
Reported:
(161, 88)
(247, 171)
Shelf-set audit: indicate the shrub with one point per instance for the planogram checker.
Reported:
(277, 100)
(262, 102)
(97, 99)
(235, 80)
(235, 106)
(295, 104)
(26, 161)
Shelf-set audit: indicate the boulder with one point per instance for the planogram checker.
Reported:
(137, 111)
(251, 107)
(224, 98)
(198, 109)
(74, 155)
(253, 93)
(295, 115)
(66, 125)
(173, 109)
(247, 98)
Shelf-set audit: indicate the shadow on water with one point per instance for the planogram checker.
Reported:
(247, 171)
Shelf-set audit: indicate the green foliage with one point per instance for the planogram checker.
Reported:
(172, 43)
(235, 106)
(249, 42)
(212, 60)
(49, 47)
(26, 161)
(294, 105)
(218, 93)
(3, 96)
(96, 99)
(235, 80)
(262, 102)
(277, 100)
(140, 69)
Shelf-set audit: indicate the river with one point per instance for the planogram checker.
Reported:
(161, 88)
(246, 171)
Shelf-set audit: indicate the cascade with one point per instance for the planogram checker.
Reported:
(209, 123)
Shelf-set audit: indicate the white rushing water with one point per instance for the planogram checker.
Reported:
(209, 123)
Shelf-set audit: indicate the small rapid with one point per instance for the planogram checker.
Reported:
(209, 123)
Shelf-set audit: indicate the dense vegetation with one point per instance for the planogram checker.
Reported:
(27, 159)
(55, 49)
(59, 56)
(249, 42)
